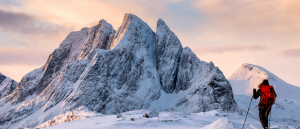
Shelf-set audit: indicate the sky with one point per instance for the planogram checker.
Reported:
(226, 32)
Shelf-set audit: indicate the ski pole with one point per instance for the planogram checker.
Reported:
(270, 118)
(247, 112)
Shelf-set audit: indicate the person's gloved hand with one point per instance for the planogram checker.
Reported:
(254, 90)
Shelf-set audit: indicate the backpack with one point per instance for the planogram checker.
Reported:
(267, 94)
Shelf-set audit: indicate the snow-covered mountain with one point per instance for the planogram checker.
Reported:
(249, 76)
(7, 85)
(287, 104)
(110, 71)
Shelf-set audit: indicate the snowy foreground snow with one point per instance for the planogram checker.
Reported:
(167, 120)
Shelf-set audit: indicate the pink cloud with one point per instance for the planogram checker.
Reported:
(268, 22)
(227, 48)
(292, 53)
(20, 56)
(28, 24)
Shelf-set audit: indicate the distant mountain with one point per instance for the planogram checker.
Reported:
(7, 85)
(287, 104)
(249, 76)
(110, 71)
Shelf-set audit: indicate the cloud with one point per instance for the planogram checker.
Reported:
(78, 13)
(292, 53)
(227, 48)
(28, 24)
(23, 56)
(266, 21)
(23, 29)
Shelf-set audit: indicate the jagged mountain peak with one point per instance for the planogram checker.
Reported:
(162, 25)
(163, 29)
(2, 77)
(211, 64)
(102, 21)
(262, 71)
(251, 71)
(98, 37)
(110, 71)
(248, 76)
(168, 54)
(188, 50)
(131, 26)
(7, 86)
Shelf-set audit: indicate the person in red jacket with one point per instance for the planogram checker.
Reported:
(267, 96)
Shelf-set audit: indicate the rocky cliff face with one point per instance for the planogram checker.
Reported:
(203, 82)
(123, 78)
(168, 53)
(98, 38)
(7, 85)
(112, 71)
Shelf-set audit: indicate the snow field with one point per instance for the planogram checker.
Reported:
(168, 120)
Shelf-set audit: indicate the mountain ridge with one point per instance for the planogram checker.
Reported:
(123, 76)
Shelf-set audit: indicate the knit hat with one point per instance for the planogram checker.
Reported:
(265, 82)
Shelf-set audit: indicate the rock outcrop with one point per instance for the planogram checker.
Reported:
(203, 83)
(168, 53)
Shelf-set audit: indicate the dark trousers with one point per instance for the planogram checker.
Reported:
(263, 114)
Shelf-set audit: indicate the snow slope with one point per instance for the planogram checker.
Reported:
(166, 120)
(248, 76)
(287, 104)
